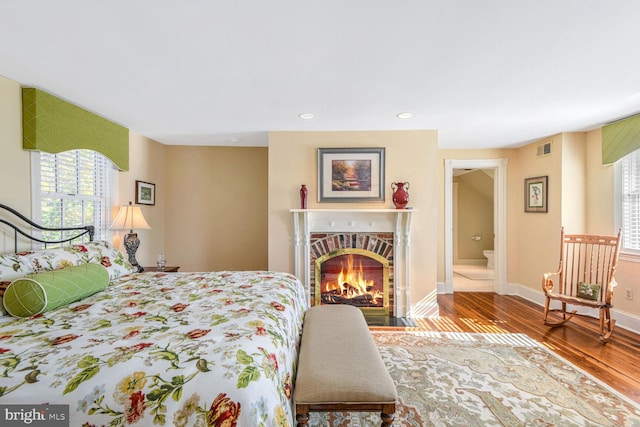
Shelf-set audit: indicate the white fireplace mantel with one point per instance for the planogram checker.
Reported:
(397, 221)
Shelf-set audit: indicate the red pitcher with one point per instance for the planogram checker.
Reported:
(400, 195)
(303, 197)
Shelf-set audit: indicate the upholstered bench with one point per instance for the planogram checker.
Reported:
(340, 368)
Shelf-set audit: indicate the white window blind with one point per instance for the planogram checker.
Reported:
(75, 190)
(630, 201)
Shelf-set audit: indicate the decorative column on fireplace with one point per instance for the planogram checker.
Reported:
(369, 247)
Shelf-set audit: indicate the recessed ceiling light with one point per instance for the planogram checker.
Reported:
(405, 115)
(306, 116)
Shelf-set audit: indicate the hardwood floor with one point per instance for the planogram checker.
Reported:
(616, 363)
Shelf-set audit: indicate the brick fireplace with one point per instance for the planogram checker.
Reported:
(372, 245)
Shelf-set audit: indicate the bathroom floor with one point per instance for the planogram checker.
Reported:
(472, 278)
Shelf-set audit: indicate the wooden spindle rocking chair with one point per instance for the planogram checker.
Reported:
(585, 277)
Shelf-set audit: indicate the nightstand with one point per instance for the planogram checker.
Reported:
(167, 269)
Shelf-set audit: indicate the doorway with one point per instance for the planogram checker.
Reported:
(473, 230)
(497, 167)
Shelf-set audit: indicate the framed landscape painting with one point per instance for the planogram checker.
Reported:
(350, 174)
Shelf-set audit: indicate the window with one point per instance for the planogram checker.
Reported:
(72, 189)
(629, 204)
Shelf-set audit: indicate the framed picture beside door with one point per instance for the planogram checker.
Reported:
(535, 194)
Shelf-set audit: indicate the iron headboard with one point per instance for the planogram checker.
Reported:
(85, 230)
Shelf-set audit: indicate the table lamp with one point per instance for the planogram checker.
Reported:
(130, 218)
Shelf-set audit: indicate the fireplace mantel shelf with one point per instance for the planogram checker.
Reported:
(366, 220)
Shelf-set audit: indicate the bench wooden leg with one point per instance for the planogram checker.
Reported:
(302, 415)
(387, 419)
(387, 415)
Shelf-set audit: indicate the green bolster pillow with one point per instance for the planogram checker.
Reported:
(41, 292)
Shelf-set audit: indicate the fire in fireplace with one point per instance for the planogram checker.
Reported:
(353, 276)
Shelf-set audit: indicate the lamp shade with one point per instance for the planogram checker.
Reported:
(130, 218)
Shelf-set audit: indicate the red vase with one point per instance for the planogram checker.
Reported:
(303, 197)
(400, 195)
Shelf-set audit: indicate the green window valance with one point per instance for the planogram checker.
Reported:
(620, 138)
(53, 125)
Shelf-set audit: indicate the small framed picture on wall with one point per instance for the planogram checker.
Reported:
(145, 193)
(535, 194)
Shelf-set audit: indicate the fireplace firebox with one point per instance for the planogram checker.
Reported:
(353, 276)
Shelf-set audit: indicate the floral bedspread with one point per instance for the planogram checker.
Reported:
(216, 349)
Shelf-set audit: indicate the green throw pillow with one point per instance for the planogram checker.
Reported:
(588, 291)
(38, 293)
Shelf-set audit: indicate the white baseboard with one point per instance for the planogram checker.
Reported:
(442, 288)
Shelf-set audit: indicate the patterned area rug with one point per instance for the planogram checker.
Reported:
(460, 379)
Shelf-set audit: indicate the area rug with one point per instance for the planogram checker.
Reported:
(464, 379)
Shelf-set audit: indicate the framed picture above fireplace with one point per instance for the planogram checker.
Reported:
(351, 174)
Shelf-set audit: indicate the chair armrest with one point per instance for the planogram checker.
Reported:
(609, 291)
(547, 281)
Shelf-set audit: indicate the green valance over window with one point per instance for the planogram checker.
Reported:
(620, 138)
(52, 125)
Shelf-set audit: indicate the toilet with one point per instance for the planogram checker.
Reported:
(489, 255)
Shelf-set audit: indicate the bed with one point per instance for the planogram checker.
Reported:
(209, 348)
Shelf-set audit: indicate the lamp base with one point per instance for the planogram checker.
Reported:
(131, 243)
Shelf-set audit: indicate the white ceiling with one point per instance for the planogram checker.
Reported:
(491, 73)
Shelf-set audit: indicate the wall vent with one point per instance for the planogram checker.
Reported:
(543, 149)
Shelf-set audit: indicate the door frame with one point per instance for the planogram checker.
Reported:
(499, 218)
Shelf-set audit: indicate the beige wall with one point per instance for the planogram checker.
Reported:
(627, 278)
(146, 163)
(15, 173)
(599, 200)
(573, 175)
(410, 156)
(533, 239)
(580, 199)
(216, 210)
(535, 236)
